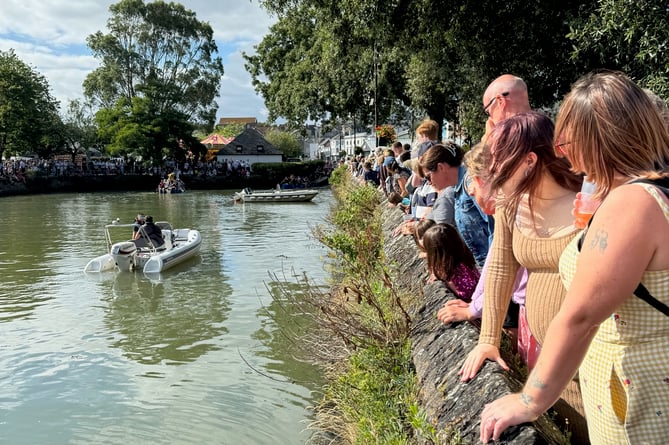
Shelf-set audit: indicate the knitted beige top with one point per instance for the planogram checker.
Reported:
(540, 255)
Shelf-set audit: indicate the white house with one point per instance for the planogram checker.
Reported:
(251, 146)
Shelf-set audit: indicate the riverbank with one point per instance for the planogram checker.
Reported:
(393, 368)
(106, 183)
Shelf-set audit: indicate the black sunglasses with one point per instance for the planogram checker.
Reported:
(492, 101)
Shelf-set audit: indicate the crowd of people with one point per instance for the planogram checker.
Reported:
(585, 307)
(17, 169)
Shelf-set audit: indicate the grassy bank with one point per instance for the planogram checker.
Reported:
(361, 329)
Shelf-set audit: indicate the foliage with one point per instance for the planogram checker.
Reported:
(287, 142)
(374, 393)
(317, 62)
(372, 397)
(29, 120)
(158, 73)
(355, 59)
(229, 130)
(386, 132)
(628, 36)
(79, 129)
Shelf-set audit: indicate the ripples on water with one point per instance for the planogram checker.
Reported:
(198, 354)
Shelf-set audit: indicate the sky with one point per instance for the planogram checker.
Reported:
(50, 37)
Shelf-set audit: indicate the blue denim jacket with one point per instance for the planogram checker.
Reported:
(475, 227)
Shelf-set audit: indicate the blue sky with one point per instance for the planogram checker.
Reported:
(50, 36)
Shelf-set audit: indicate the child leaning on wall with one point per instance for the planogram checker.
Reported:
(450, 261)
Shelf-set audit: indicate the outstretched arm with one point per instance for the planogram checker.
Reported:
(620, 245)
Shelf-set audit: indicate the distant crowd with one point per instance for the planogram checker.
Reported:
(16, 170)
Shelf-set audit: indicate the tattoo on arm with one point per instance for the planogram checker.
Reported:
(536, 383)
(526, 399)
(599, 239)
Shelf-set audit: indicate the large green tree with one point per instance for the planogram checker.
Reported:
(410, 57)
(159, 75)
(28, 112)
(632, 36)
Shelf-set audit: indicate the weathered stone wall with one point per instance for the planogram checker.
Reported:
(439, 350)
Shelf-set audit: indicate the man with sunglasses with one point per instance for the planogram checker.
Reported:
(506, 96)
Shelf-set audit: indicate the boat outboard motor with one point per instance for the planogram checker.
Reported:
(124, 254)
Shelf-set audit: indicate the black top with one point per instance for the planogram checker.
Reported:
(154, 233)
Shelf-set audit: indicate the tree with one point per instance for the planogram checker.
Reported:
(28, 112)
(318, 63)
(229, 130)
(79, 130)
(159, 73)
(327, 59)
(628, 36)
(286, 142)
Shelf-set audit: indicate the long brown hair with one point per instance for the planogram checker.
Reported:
(445, 251)
(612, 127)
(511, 141)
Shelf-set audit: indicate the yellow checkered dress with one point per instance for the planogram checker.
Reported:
(625, 374)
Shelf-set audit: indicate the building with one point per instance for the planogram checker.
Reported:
(335, 143)
(245, 121)
(251, 146)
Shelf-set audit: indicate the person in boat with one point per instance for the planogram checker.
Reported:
(140, 220)
(150, 232)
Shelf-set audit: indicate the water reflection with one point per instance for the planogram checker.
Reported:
(284, 327)
(118, 358)
(155, 323)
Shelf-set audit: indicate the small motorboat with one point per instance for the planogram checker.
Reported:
(126, 256)
(275, 195)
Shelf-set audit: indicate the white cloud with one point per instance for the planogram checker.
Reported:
(51, 36)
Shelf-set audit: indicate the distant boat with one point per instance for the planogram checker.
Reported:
(275, 195)
(171, 186)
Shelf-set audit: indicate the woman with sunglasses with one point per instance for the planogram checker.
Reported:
(533, 224)
(610, 130)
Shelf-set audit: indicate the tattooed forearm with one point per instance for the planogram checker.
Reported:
(599, 240)
(526, 399)
(536, 383)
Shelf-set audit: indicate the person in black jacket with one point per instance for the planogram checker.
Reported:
(150, 232)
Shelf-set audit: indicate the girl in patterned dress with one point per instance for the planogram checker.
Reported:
(610, 130)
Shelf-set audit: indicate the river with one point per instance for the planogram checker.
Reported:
(202, 354)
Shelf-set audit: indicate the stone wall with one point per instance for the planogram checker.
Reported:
(439, 350)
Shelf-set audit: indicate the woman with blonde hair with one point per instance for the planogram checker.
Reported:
(610, 130)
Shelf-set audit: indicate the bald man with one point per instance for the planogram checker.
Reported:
(504, 97)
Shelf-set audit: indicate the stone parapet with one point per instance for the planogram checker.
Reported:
(439, 350)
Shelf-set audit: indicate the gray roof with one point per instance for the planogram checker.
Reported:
(249, 142)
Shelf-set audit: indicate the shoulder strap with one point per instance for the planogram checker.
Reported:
(641, 291)
(661, 183)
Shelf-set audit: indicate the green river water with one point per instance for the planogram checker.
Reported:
(198, 355)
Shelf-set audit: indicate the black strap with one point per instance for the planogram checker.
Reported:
(641, 291)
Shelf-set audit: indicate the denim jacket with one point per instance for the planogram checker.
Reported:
(475, 227)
